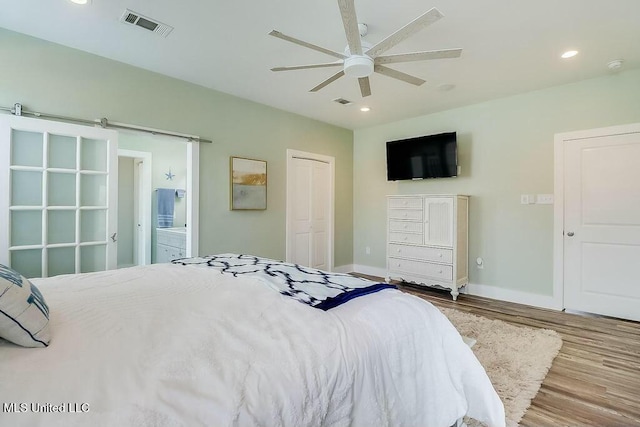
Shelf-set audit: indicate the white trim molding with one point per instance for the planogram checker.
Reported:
(493, 292)
(348, 268)
(510, 295)
(371, 271)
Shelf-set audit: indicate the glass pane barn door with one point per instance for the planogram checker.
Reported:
(58, 186)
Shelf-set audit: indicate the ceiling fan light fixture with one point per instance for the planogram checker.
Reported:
(358, 66)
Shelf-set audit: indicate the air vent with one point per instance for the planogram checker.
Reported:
(134, 18)
(342, 101)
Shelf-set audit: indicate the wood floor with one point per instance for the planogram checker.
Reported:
(594, 380)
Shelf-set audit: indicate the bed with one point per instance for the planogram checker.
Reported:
(186, 344)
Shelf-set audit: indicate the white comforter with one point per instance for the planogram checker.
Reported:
(173, 345)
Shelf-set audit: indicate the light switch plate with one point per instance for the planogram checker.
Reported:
(544, 199)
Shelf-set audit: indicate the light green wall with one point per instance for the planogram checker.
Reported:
(505, 149)
(47, 77)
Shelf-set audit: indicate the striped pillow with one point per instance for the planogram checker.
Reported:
(24, 315)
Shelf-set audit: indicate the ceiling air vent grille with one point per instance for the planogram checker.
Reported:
(134, 18)
(342, 101)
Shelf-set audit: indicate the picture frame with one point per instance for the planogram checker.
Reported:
(248, 179)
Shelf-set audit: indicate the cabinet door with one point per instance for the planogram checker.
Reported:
(438, 221)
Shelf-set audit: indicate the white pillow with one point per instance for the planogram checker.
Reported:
(24, 315)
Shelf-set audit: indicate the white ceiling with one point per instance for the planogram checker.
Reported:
(509, 47)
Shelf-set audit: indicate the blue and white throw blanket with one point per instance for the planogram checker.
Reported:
(317, 288)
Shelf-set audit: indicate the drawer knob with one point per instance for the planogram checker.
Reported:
(405, 226)
(399, 250)
(440, 255)
(398, 265)
(405, 237)
(439, 271)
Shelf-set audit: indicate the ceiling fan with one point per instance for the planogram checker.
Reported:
(361, 59)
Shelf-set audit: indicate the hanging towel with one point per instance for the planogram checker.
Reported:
(166, 197)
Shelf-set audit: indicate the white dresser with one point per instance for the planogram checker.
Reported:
(427, 240)
(171, 243)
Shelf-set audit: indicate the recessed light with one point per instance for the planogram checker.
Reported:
(365, 109)
(569, 54)
(80, 1)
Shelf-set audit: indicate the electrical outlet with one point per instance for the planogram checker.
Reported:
(367, 250)
(479, 263)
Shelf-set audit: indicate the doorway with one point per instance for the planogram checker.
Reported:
(597, 221)
(174, 167)
(134, 207)
(310, 209)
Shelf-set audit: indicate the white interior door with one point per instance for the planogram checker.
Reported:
(59, 214)
(319, 208)
(310, 210)
(602, 225)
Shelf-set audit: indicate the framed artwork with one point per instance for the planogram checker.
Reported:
(248, 184)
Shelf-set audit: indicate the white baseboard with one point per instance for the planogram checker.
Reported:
(348, 268)
(519, 297)
(493, 292)
(371, 271)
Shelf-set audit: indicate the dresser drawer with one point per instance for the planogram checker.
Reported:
(405, 226)
(408, 214)
(415, 239)
(421, 253)
(406, 203)
(425, 269)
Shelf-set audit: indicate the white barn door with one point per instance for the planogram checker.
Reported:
(58, 206)
(310, 210)
(602, 224)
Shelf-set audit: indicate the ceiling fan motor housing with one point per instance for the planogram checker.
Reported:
(358, 66)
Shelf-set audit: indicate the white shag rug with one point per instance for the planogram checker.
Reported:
(516, 358)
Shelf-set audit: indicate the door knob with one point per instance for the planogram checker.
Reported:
(570, 234)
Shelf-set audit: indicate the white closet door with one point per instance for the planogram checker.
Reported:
(602, 225)
(320, 214)
(59, 214)
(302, 238)
(309, 213)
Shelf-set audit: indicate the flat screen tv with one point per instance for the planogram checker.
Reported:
(431, 156)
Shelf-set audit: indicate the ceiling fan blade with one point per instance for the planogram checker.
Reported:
(365, 87)
(305, 67)
(419, 56)
(350, 22)
(331, 79)
(422, 21)
(279, 35)
(398, 75)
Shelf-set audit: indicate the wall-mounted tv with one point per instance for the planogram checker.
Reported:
(431, 156)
